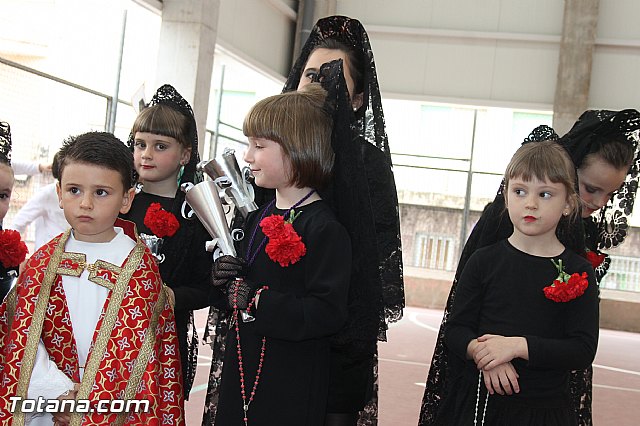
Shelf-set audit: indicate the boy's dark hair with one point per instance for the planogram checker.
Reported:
(55, 169)
(100, 149)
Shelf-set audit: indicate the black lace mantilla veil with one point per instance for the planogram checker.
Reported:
(5, 143)
(606, 230)
(363, 172)
(169, 96)
(368, 126)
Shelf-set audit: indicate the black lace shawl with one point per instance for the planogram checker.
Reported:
(363, 172)
(174, 252)
(594, 233)
(594, 128)
(5, 143)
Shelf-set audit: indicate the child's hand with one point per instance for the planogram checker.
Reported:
(63, 418)
(493, 350)
(502, 379)
(227, 268)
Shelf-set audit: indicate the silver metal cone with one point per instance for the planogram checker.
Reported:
(231, 180)
(205, 202)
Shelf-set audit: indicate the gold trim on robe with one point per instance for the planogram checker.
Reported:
(134, 354)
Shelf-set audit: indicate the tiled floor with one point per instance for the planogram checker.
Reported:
(404, 362)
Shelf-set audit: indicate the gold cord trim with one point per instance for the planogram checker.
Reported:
(35, 329)
(106, 329)
(145, 353)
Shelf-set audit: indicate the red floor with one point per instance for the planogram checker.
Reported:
(404, 362)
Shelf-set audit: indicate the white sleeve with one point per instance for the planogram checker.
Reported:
(29, 168)
(33, 209)
(47, 380)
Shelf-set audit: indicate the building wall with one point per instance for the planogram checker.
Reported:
(429, 220)
(429, 288)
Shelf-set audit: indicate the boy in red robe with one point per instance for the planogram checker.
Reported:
(89, 318)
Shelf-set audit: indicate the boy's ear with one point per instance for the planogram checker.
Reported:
(59, 192)
(127, 200)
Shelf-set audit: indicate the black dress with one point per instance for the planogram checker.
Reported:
(7, 277)
(306, 303)
(186, 268)
(500, 292)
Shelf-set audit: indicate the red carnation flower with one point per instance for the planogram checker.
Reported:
(12, 249)
(272, 226)
(161, 222)
(285, 245)
(566, 287)
(595, 258)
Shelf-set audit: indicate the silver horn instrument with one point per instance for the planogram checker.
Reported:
(234, 183)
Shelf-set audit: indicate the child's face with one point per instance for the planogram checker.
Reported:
(92, 197)
(158, 158)
(535, 207)
(6, 186)
(268, 163)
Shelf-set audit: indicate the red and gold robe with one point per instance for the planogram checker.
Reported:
(134, 352)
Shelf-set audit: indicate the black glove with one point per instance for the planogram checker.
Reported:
(226, 268)
(242, 297)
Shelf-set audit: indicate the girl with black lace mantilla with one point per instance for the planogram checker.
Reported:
(164, 142)
(603, 146)
(362, 194)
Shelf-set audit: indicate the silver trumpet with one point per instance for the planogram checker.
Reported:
(234, 184)
(204, 200)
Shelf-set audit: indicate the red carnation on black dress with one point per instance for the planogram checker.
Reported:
(566, 287)
(161, 222)
(12, 249)
(285, 245)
